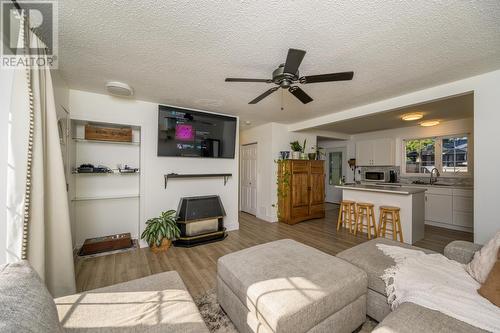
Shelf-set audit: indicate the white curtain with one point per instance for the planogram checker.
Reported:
(37, 206)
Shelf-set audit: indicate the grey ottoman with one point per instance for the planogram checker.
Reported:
(286, 286)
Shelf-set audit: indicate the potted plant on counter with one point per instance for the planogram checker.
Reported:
(161, 231)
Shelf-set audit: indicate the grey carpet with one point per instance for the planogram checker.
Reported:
(218, 322)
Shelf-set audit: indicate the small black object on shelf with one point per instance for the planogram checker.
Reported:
(89, 168)
(198, 175)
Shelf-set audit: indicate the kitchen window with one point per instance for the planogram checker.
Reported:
(454, 154)
(420, 155)
(449, 154)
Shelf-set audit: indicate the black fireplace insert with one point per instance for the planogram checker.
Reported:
(201, 220)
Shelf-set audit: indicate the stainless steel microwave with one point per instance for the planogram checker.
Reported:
(374, 176)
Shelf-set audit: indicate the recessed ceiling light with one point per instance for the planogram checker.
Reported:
(429, 123)
(119, 89)
(412, 116)
(248, 122)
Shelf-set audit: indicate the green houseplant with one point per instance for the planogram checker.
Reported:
(160, 231)
(298, 150)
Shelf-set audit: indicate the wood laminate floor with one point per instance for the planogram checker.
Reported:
(197, 265)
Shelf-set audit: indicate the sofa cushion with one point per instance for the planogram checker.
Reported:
(461, 251)
(25, 303)
(413, 318)
(373, 261)
(290, 286)
(157, 303)
(484, 259)
(491, 287)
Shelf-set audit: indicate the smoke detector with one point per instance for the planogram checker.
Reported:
(119, 89)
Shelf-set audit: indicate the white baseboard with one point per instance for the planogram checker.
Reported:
(449, 226)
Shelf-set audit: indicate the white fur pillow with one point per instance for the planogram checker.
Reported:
(484, 259)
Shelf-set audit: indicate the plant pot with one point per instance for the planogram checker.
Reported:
(295, 155)
(165, 244)
(303, 156)
(312, 156)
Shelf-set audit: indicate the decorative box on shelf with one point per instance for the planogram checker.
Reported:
(122, 134)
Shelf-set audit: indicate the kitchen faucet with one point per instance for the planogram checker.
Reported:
(431, 181)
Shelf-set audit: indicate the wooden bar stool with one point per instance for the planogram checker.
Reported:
(390, 214)
(365, 209)
(347, 214)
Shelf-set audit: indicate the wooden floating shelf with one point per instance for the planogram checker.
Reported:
(225, 176)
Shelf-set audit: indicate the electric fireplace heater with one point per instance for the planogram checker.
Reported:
(201, 220)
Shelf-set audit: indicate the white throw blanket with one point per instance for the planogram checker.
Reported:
(438, 283)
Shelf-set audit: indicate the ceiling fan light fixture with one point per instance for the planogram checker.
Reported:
(412, 116)
(429, 123)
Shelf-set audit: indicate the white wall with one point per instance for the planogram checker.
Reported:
(271, 138)
(486, 120)
(154, 197)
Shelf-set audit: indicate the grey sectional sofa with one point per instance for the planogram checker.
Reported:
(408, 317)
(157, 303)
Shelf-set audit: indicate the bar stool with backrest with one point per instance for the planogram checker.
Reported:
(347, 214)
(390, 214)
(365, 210)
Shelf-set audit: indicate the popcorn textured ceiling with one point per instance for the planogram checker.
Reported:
(179, 52)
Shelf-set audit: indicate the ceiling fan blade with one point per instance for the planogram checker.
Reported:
(264, 95)
(300, 94)
(293, 60)
(343, 76)
(231, 79)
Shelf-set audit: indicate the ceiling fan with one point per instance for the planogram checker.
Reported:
(287, 74)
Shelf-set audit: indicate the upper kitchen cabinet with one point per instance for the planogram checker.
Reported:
(378, 152)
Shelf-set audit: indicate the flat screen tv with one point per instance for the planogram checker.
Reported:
(188, 133)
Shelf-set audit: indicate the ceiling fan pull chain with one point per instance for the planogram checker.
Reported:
(282, 100)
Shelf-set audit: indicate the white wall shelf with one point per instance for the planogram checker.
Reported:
(104, 197)
(109, 202)
(115, 172)
(81, 140)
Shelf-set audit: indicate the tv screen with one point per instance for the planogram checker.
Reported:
(187, 133)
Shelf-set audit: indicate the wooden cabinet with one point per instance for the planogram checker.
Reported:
(301, 190)
(379, 152)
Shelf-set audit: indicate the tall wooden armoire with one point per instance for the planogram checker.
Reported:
(301, 190)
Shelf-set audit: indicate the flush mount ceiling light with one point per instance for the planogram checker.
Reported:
(119, 89)
(412, 116)
(429, 123)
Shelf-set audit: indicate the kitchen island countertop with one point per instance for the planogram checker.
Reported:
(394, 189)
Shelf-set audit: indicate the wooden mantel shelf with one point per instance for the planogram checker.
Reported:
(225, 176)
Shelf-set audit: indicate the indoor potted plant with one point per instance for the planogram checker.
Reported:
(160, 231)
(296, 149)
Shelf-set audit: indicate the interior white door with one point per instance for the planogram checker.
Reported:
(335, 166)
(248, 176)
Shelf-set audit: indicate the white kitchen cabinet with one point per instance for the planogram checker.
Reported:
(438, 208)
(364, 153)
(449, 208)
(379, 152)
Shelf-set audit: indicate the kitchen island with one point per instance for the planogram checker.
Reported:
(409, 199)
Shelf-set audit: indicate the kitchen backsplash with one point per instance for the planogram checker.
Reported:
(458, 181)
